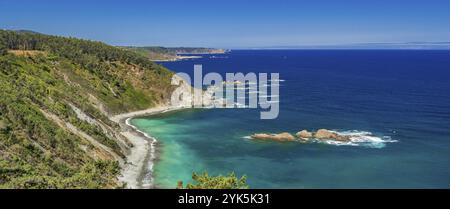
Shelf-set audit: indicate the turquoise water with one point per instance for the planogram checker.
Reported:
(400, 97)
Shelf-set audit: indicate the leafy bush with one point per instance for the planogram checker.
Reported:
(204, 181)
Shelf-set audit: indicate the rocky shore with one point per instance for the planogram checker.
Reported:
(137, 170)
(142, 154)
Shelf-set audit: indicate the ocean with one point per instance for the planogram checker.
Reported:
(401, 98)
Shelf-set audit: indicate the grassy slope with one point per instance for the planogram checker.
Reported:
(37, 152)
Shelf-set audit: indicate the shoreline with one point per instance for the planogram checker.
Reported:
(185, 56)
(137, 171)
(178, 58)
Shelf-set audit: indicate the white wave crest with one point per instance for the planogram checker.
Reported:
(362, 138)
(268, 96)
(270, 102)
(275, 80)
(269, 85)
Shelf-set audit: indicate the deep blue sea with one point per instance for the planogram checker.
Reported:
(400, 97)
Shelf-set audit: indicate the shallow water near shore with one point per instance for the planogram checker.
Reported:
(399, 98)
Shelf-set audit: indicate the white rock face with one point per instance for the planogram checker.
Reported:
(187, 96)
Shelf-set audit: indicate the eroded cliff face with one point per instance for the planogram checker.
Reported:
(186, 96)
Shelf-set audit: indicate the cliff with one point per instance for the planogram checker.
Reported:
(57, 96)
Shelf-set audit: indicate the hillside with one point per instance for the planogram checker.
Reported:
(55, 101)
(171, 53)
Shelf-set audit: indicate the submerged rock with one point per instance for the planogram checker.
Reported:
(275, 137)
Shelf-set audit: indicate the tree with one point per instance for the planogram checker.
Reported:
(204, 181)
(3, 50)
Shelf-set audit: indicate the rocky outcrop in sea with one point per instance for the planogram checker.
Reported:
(303, 136)
(325, 136)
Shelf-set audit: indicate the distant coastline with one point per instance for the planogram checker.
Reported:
(166, 54)
(176, 58)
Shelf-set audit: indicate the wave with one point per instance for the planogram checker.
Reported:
(260, 96)
(240, 88)
(361, 138)
(270, 102)
(275, 80)
(366, 139)
(268, 96)
(269, 85)
(239, 105)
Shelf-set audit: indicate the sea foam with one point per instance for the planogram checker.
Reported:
(361, 138)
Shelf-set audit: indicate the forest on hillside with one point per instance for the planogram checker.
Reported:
(44, 80)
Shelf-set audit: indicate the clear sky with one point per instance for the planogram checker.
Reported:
(230, 23)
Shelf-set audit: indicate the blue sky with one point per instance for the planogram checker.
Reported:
(229, 23)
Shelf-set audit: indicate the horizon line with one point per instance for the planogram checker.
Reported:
(412, 45)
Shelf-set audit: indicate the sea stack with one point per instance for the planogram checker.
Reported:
(304, 134)
(285, 136)
(327, 134)
(324, 134)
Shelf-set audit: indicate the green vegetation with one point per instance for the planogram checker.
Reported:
(41, 76)
(122, 79)
(153, 53)
(195, 50)
(167, 53)
(3, 49)
(204, 181)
